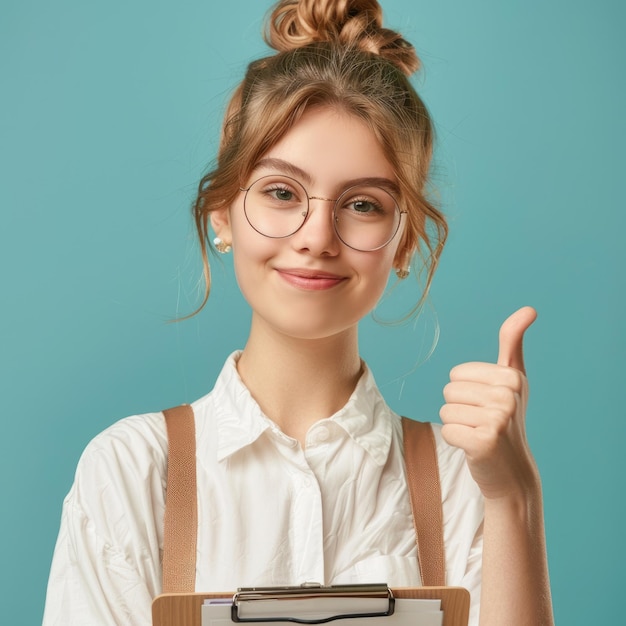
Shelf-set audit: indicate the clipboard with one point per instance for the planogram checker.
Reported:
(185, 609)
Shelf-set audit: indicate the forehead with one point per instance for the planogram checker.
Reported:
(329, 147)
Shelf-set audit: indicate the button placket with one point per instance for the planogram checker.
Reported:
(307, 529)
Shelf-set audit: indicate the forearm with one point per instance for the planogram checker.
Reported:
(515, 582)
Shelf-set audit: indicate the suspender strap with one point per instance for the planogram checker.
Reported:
(420, 457)
(181, 511)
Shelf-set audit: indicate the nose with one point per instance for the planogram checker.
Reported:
(317, 235)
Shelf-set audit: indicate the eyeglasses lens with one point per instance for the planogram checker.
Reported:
(365, 218)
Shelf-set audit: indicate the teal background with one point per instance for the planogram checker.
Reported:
(109, 114)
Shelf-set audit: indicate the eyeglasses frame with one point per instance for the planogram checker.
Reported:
(308, 208)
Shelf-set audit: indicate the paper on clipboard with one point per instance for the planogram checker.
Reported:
(407, 613)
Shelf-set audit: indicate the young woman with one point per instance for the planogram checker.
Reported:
(319, 193)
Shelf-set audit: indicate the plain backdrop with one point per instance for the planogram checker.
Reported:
(109, 116)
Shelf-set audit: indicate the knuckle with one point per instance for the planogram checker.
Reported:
(500, 421)
(514, 379)
(510, 405)
(505, 398)
(492, 434)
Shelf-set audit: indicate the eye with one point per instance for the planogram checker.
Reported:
(276, 193)
(365, 206)
(281, 193)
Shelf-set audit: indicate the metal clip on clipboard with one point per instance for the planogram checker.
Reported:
(311, 603)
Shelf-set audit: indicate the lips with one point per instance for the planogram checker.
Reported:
(314, 280)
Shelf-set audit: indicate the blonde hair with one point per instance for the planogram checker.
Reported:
(332, 53)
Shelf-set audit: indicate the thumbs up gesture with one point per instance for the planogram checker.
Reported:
(484, 414)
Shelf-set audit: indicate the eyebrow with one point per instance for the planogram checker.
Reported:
(285, 167)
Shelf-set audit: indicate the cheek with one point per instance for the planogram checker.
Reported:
(245, 240)
(380, 263)
(251, 253)
(249, 256)
(374, 273)
(380, 266)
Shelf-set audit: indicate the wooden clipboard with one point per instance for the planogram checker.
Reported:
(185, 609)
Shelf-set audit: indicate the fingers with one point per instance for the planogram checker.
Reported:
(472, 394)
(461, 436)
(473, 416)
(485, 409)
(511, 352)
(489, 374)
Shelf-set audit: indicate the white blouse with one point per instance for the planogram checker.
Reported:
(269, 511)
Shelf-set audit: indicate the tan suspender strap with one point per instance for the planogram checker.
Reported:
(181, 510)
(422, 470)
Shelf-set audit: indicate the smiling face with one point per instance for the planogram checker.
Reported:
(309, 284)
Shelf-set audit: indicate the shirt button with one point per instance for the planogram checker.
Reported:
(322, 434)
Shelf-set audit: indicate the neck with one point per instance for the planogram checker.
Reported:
(299, 381)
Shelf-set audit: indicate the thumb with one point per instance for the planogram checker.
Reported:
(512, 332)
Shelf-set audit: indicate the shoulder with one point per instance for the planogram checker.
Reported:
(125, 466)
(129, 443)
(134, 450)
(111, 525)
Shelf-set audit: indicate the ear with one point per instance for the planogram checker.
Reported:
(220, 222)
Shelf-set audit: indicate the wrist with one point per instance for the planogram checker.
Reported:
(522, 505)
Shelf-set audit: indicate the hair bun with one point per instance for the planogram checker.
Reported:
(296, 23)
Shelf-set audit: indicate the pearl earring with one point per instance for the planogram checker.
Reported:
(221, 246)
(402, 273)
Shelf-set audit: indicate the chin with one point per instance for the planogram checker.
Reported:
(308, 328)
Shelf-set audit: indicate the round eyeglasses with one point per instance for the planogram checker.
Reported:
(365, 217)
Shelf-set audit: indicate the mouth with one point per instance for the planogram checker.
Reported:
(314, 280)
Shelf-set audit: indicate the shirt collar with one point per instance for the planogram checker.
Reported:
(366, 418)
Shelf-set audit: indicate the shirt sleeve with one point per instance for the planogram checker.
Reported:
(106, 566)
(463, 517)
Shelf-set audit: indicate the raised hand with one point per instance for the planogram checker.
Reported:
(485, 411)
